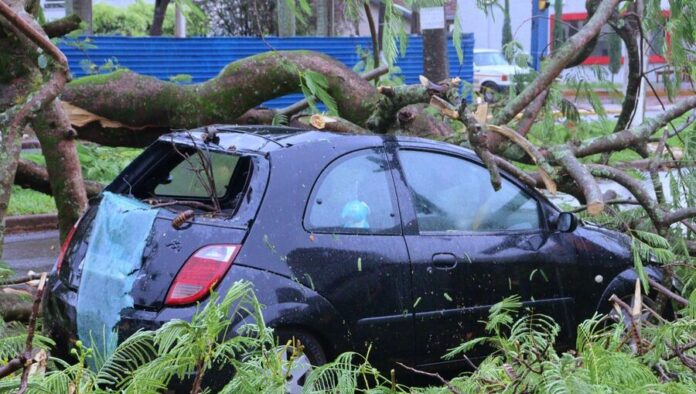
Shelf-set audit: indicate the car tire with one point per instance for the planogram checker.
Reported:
(312, 350)
(489, 92)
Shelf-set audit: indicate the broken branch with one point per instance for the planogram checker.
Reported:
(584, 179)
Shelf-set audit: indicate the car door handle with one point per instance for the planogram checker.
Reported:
(444, 261)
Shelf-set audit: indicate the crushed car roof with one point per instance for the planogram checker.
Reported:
(258, 138)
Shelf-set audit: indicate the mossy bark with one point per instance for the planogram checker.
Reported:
(64, 172)
(142, 103)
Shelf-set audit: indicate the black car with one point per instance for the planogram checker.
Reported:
(350, 241)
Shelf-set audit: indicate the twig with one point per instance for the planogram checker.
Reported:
(23, 279)
(31, 328)
(662, 289)
(432, 375)
(634, 328)
(194, 204)
(610, 202)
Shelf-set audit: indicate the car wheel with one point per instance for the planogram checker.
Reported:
(490, 92)
(309, 354)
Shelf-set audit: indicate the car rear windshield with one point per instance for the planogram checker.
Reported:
(168, 172)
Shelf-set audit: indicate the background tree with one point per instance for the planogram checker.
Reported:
(507, 28)
(286, 18)
(136, 20)
(558, 35)
(158, 17)
(240, 17)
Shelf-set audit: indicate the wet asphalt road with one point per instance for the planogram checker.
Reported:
(36, 251)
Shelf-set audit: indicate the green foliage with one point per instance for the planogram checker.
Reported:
(29, 202)
(103, 164)
(136, 19)
(314, 87)
(181, 78)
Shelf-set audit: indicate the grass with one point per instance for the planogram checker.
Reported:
(29, 202)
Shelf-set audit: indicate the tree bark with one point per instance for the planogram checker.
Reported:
(83, 8)
(158, 17)
(33, 176)
(63, 26)
(323, 18)
(21, 36)
(64, 172)
(286, 19)
(628, 35)
(136, 108)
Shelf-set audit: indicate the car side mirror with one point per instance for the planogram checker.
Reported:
(566, 222)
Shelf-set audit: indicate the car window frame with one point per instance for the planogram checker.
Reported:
(396, 230)
(410, 203)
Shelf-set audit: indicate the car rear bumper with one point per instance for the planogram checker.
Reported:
(60, 318)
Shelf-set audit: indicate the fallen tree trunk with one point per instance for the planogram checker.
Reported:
(131, 107)
(34, 176)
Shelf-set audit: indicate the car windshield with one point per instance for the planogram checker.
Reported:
(490, 59)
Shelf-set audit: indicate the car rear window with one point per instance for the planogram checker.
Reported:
(168, 172)
(189, 178)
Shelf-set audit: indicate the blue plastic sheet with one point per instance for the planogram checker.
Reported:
(119, 234)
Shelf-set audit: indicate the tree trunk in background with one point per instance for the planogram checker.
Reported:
(83, 9)
(57, 139)
(286, 20)
(558, 34)
(435, 64)
(507, 29)
(323, 10)
(158, 17)
(380, 24)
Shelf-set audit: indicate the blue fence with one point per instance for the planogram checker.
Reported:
(203, 58)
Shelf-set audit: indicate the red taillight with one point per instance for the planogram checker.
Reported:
(64, 247)
(200, 273)
(504, 77)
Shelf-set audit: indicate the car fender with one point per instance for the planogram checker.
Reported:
(623, 284)
(289, 304)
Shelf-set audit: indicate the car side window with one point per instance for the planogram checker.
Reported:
(453, 194)
(354, 195)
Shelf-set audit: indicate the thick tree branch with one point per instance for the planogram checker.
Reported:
(33, 176)
(583, 178)
(633, 186)
(33, 34)
(558, 62)
(679, 215)
(628, 138)
(62, 26)
(124, 100)
(627, 33)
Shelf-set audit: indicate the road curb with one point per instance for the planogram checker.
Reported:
(26, 223)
